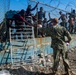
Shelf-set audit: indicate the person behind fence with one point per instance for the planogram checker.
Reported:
(19, 19)
(41, 14)
(59, 46)
(63, 18)
(29, 9)
(71, 25)
(45, 23)
(72, 14)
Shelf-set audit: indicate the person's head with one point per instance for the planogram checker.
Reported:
(71, 19)
(41, 9)
(29, 6)
(73, 11)
(22, 12)
(54, 21)
(60, 12)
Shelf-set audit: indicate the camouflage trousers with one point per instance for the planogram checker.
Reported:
(57, 53)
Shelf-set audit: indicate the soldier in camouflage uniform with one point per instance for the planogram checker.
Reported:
(58, 34)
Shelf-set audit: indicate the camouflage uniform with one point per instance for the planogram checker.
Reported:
(58, 44)
(58, 34)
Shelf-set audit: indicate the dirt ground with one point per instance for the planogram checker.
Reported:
(31, 69)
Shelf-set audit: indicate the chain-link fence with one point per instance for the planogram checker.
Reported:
(55, 6)
(54, 10)
(4, 7)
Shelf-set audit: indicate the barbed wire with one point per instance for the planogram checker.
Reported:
(70, 4)
(57, 3)
(53, 9)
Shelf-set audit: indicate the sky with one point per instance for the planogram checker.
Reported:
(22, 4)
(66, 5)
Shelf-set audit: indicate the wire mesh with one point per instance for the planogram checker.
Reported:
(4, 7)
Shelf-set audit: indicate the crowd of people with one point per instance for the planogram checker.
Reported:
(39, 19)
(68, 21)
(58, 30)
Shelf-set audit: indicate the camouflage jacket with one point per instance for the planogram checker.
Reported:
(58, 34)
